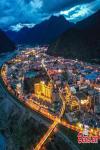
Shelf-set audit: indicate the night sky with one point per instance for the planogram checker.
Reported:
(17, 13)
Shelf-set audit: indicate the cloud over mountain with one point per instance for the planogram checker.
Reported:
(35, 11)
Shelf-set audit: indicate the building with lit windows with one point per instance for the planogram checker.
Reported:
(83, 99)
(19, 88)
(43, 91)
(74, 105)
(4, 70)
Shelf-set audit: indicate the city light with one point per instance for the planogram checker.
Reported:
(46, 92)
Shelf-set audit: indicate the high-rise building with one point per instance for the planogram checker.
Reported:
(37, 89)
(43, 91)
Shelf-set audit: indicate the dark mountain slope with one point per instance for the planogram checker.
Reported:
(90, 22)
(42, 33)
(5, 43)
(82, 42)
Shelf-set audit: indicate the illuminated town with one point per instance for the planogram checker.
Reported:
(65, 91)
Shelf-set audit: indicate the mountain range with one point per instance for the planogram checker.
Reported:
(5, 43)
(81, 41)
(43, 33)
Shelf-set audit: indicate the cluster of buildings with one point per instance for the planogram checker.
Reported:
(44, 91)
(28, 73)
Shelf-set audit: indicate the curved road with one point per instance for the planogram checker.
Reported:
(56, 120)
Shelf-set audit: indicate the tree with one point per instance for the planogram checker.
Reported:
(65, 76)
